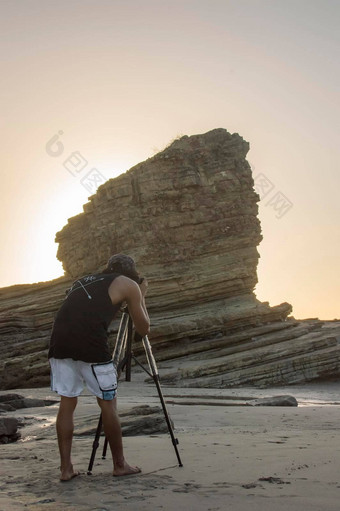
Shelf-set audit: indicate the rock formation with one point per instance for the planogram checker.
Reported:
(188, 216)
(9, 425)
(9, 430)
(26, 316)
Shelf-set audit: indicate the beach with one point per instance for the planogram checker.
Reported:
(235, 456)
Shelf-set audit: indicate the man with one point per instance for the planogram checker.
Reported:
(79, 352)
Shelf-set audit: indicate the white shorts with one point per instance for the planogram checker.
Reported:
(68, 378)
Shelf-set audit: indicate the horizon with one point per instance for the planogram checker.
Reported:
(113, 84)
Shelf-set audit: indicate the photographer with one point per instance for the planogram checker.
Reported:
(79, 352)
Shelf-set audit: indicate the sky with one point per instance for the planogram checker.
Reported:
(111, 82)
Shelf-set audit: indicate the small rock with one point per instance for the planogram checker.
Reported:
(9, 397)
(274, 401)
(16, 402)
(4, 407)
(271, 479)
(8, 430)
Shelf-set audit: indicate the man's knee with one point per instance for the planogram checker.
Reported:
(68, 403)
(107, 403)
(107, 406)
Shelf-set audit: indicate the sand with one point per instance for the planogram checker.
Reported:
(234, 457)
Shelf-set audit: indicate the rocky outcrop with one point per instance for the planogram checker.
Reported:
(138, 420)
(277, 353)
(188, 216)
(9, 425)
(12, 402)
(274, 401)
(26, 318)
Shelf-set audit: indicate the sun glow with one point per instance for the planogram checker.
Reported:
(114, 87)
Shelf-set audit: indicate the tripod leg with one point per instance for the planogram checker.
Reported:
(121, 339)
(95, 445)
(155, 376)
(119, 346)
(128, 351)
(105, 449)
(167, 418)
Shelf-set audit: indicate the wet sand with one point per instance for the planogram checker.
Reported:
(235, 457)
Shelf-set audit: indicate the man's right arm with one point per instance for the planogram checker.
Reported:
(126, 290)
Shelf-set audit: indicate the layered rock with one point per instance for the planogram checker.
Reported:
(276, 353)
(26, 317)
(188, 216)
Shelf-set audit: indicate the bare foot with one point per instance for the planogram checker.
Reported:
(124, 469)
(67, 475)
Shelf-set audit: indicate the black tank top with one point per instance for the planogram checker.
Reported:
(81, 324)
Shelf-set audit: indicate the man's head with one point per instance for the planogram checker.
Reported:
(124, 265)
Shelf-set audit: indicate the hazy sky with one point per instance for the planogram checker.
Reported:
(118, 80)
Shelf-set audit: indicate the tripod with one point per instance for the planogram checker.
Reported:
(124, 345)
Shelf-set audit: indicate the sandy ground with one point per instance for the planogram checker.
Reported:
(235, 457)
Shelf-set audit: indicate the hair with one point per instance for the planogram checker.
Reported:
(119, 266)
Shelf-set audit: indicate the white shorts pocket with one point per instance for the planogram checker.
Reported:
(106, 375)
